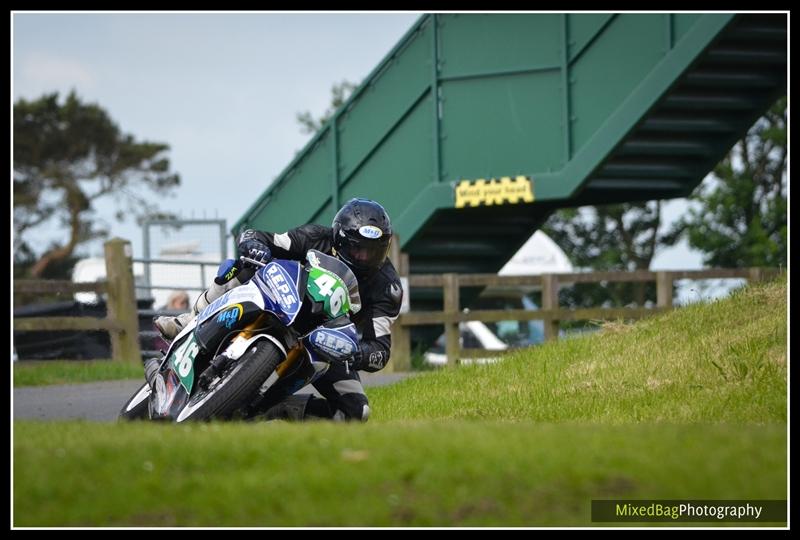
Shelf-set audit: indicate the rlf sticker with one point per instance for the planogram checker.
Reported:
(370, 231)
(312, 258)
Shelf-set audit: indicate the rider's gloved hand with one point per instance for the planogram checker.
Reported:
(253, 248)
(356, 360)
(227, 271)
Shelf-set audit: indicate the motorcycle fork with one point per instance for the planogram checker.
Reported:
(218, 364)
(291, 359)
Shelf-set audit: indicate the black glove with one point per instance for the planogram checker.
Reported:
(356, 360)
(255, 249)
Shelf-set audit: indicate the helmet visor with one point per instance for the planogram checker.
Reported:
(364, 254)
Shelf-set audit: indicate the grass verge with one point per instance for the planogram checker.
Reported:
(421, 473)
(723, 361)
(690, 405)
(41, 373)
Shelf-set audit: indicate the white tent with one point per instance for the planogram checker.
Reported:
(539, 255)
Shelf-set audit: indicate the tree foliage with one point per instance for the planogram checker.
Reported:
(622, 237)
(613, 237)
(68, 156)
(739, 218)
(339, 94)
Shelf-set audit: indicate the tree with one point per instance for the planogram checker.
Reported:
(339, 94)
(613, 237)
(68, 156)
(739, 218)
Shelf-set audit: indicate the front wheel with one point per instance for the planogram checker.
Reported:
(236, 385)
(136, 407)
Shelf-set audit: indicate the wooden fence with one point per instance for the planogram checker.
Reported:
(550, 313)
(122, 319)
(122, 322)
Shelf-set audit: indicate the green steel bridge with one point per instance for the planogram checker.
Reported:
(476, 127)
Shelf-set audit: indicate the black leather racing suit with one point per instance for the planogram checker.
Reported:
(381, 296)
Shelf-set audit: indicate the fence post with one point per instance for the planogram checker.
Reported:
(401, 335)
(401, 349)
(451, 330)
(664, 289)
(550, 301)
(394, 252)
(122, 300)
(756, 275)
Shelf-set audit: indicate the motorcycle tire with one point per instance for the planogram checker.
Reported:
(136, 407)
(237, 384)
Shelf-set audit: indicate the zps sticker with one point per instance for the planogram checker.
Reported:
(494, 191)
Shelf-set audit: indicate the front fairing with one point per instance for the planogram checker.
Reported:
(276, 288)
(282, 285)
(176, 378)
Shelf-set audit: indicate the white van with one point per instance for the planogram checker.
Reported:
(169, 277)
(94, 269)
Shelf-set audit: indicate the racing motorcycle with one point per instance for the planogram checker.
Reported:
(255, 345)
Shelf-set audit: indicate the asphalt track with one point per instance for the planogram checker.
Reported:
(101, 401)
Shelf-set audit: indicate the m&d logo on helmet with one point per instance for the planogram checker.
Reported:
(370, 231)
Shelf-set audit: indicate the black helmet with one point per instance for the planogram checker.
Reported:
(361, 235)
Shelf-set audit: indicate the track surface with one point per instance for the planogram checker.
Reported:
(102, 400)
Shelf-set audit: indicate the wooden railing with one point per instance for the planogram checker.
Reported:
(550, 313)
(122, 321)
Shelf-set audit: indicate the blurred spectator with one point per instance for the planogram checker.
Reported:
(177, 301)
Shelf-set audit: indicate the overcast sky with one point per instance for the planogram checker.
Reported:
(222, 90)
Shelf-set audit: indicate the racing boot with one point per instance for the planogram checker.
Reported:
(169, 327)
(303, 407)
(293, 408)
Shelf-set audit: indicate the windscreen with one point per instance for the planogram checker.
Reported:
(332, 264)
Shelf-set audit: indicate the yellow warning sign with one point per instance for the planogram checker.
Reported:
(504, 190)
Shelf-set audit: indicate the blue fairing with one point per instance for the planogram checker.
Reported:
(245, 293)
(279, 283)
(273, 289)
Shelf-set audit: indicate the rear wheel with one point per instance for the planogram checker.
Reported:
(236, 385)
(136, 407)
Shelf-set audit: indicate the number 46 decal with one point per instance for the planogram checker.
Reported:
(328, 286)
(184, 358)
